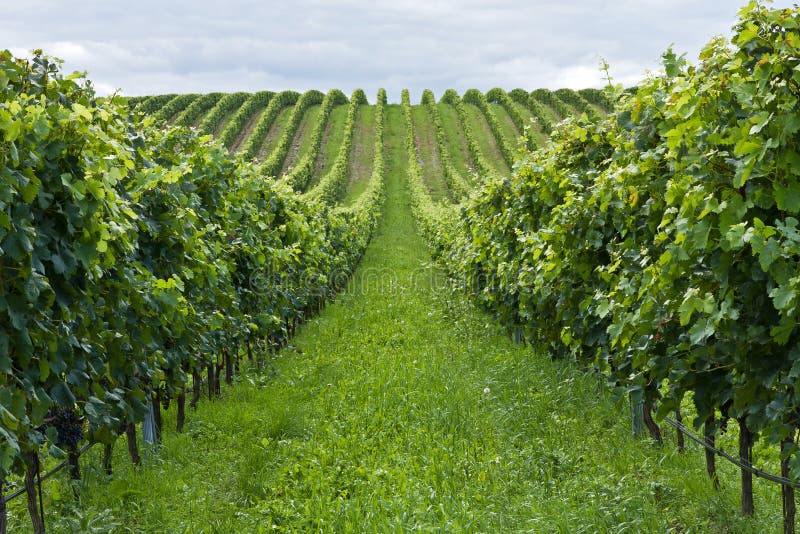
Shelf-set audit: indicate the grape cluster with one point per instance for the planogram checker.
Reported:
(68, 425)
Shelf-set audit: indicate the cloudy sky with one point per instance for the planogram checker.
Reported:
(174, 46)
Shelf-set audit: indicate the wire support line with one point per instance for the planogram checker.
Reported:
(47, 475)
(747, 467)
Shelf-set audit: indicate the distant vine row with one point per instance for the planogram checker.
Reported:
(272, 165)
(174, 106)
(478, 99)
(276, 105)
(221, 110)
(481, 164)
(331, 187)
(300, 174)
(456, 182)
(250, 107)
(196, 109)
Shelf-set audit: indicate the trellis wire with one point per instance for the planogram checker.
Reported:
(719, 452)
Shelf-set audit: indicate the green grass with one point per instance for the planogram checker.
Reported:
(550, 113)
(302, 139)
(573, 110)
(401, 407)
(331, 141)
(486, 141)
(425, 139)
(456, 140)
(538, 136)
(274, 134)
(224, 122)
(599, 110)
(506, 124)
(247, 130)
(362, 153)
(169, 119)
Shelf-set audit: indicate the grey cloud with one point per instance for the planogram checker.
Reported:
(180, 46)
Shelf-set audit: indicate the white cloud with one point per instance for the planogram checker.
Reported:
(76, 52)
(579, 76)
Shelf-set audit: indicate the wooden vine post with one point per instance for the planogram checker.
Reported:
(133, 447)
(787, 491)
(746, 457)
(652, 426)
(31, 475)
(3, 515)
(637, 417)
(228, 366)
(156, 401)
(74, 463)
(196, 383)
(108, 450)
(211, 380)
(709, 432)
(180, 417)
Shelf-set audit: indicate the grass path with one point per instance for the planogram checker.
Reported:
(247, 130)
(226, 120)
(362, 154)
(331, 141)
(274, 133)
(456, 140)
(402, 408)
(425, 140)
(488, 144)
(539, 137)
(506, 123)
(301, 142)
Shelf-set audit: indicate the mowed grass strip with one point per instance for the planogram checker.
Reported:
(301, 142)
(456, 141)
(331, 141)
(247, 130)
(401, 407)
(274, 133)
(362, 155)
(507, 125)
(534, 129)
(486, 141)
(428, 151)
(226, 120)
